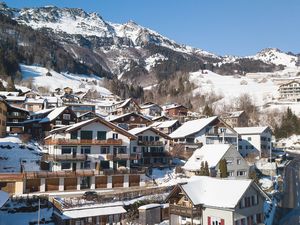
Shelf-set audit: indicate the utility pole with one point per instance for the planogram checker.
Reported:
(39, 211)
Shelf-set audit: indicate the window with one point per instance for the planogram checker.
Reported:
(151, 138)
(241, 173)
(85, 150)
(134, 149)
(66, 116)
(229, 161)
(58, 122)
(101, 135)
(156, 138)
(86, 135)
(249, 138)
(140, 138)
(104, 149)
(74, 135)
(65, 165)
(66, 150)
(240, 147)
(238, 161)
(85, 165)
(230, 173)
(15, 121)
(115, 136)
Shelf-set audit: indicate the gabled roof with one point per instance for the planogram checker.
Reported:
(77, 126)
(128, 114)
(41, 112)
(53, 114)
(164, 124)
(234, 114)
(208, 191)
(146, 106)
(191, 127)
(174, 106)
(160, 117)
(127, 101)
(250, 130)
(84, 114)
(139, 130)
(212, 154)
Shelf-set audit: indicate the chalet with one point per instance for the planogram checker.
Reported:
(3, 117)
(176, 110)
(210, 201)
(87, 116)
(66, 212)
(81, 108)
(52, 101)
(151, 109)
(237, 167)
(130, 120)
(153, 146)
(236, 119)
(68, 90)
(42, 122)
(254, 140)
(160, 118)
(35, 104)
(166, 127)
(15, 119)
(17, 101)
(69, 98)
(127, 106)
(31, 94)
(77, 146)
(195, 133)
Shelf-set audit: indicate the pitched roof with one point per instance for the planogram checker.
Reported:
(208, 191)
(114, 118)
(76, 126)
(250, 130)
(234, 114)
(212, 154)
(127, 101)
(138, 130)
(53, 114)
(192, 127)
(164, 124)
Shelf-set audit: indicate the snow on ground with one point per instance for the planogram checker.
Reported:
(13, 153)
(61, 80)
(292, 141)
(231, 87)
(167, 177)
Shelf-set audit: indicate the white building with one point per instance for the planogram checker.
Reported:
(254, 140)
(213, 154)
(290, 91)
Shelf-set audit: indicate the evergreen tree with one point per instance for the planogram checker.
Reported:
(207, 111)
(206, 169)
(202, 169)
(223, 168)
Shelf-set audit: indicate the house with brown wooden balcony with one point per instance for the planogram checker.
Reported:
(209, 201)
(153, 145)
(130, 120)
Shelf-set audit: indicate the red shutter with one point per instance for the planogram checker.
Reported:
(222, 222)
(208, 221)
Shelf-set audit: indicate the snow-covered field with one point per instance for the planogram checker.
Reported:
(231, 87)
(13, 153)
(60, 80)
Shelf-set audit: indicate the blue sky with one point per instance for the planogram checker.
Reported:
(236, 27)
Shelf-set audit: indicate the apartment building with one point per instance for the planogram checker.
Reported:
(290, 91)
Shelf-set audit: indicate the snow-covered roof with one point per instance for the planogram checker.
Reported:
(124, 103)
(9, 93)
(4, 196)
(36, 101)
(192, 127)
(91, 212)
(149, 206)
(51, 99)
(212, 154)
(250, 130)
(138, 130)
(234, 114)
(43, 111)
(52, 115)
(164, 124)
(149, 106)
(15, 98)
(113, 118)
(209, 191)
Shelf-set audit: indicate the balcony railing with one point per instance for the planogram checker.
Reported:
(151, 143)
(63, 141)
(118, 156)
(64, 157)
(140, 170)
(184, 211)
(44, 174)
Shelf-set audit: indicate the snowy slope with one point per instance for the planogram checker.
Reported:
(230, 87)
(61, 80)
(277, 57)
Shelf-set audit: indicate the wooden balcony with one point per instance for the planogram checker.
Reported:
(48, 174)
(140, 170)
(64, 157)
(184, 211)
(151, 143)
(133, 156)
(63, 141)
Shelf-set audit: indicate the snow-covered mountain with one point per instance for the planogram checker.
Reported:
(130, 51)
(277, 57)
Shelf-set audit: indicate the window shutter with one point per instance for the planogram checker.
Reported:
(222, 222)
(208, 221)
